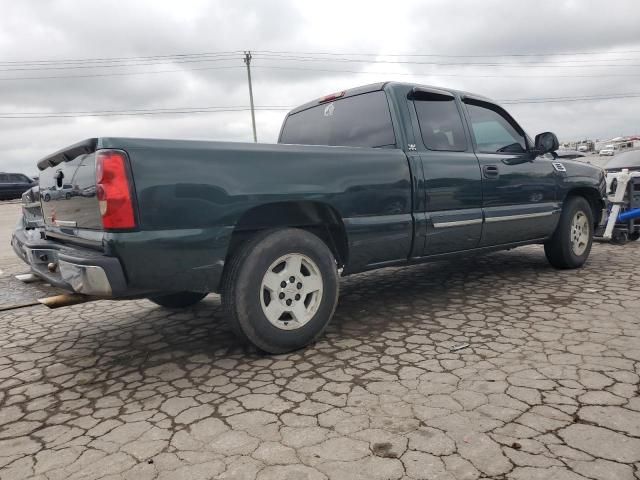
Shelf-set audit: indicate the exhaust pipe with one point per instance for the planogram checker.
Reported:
(65, 300)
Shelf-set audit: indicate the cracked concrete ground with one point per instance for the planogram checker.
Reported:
(548, 387)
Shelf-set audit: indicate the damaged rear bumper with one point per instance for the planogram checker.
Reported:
(76, 269)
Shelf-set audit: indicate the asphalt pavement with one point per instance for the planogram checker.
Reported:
(495, 366)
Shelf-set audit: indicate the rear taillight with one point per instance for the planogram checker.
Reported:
(113, 189)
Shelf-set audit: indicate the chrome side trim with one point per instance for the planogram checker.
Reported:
(519, 217)
(65, 223)
(458, 223)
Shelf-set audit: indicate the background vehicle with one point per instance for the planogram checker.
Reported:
(380, 175)
(608, 151)
(629, 160)
(54, 193)
(569, 154)
(13, 185)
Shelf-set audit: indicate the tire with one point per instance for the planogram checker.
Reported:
(619, 237)
(177, 300)
(570, 245)
(259, 273)
(46, 197)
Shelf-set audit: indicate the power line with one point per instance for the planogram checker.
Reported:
(219, 109)
(121, 65)
(438, 74)
(122, 59)
(482, 64)
(120, 74)
(362, 54)
(272, 58)
(499, 55)
(290, 58)
(382, 57)
(328, 70)
(569, 99)
(169, 109)
(113, 113)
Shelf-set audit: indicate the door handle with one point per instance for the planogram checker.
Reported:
(490, 171)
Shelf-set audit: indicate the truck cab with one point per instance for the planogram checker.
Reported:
(478, 181)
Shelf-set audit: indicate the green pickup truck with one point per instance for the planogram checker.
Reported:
(375, 176)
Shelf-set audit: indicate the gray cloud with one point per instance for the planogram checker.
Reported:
(65, 29)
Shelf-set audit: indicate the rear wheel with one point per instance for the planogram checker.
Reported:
(570, 245)
(178, 300)
(280, 289)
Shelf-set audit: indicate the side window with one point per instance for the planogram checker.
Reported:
(440, 123)
(360, 121)
(16, 178)
(4, 178)
(19, 178)
(495, 132)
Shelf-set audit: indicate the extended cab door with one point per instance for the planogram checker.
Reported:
(452, 182)
(519, 189)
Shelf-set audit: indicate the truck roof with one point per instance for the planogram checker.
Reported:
(389, 85)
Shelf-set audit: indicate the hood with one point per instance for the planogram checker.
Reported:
(576, 168)
(581, 174)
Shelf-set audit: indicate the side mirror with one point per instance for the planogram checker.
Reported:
(546, 142)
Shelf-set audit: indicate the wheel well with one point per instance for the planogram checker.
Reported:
(318, 218)
(593, 197)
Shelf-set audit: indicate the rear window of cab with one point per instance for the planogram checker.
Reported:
(359, 121)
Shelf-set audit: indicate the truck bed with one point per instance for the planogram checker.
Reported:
(190, 194)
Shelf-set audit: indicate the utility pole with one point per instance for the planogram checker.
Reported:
(247, 61)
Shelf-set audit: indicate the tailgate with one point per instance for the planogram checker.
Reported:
(68, 188)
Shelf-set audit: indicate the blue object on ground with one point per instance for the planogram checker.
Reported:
(629, 215)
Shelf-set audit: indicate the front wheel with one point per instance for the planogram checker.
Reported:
(570, 245)
(280, 289)
(178, 300)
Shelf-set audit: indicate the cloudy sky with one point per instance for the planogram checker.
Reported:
(61, 56)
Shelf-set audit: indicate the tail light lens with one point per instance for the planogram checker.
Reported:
(333, 96)
(113, 189)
